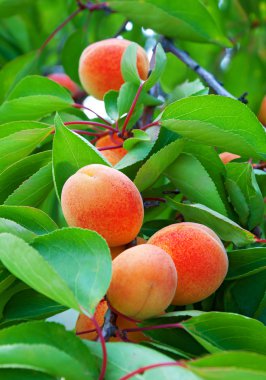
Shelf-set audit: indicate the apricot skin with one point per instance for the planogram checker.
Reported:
(199, 256)
(262, 111)
(100, 66)
(228, 157)
(84, 324)
(143, 282)
(115, 251)
(112, 155)
(104, 200)
(66, 82)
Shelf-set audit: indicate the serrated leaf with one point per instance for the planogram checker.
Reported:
(126, 96)
(157, 164)
(217, 121)
(138, 136)
(34, 190)
(32, 98)
(129, 64)
(110, 103)
(18, 145)
(17, 126)
(190, 177)
(218, 331)
(189, 21)
(16, 174)
(224, 227)
(158, 69)
(16, 229)
(70, 153)
(31, 218)
(246, 262)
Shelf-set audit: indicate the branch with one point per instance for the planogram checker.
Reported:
(204, 74)
(109, 328)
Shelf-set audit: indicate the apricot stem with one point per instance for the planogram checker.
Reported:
(94, 123)
(149, 125)
(141, 370)
(102, 341)
(260, 240)
(131, 110)
(110, 147)
(121, 315)
(81, 106)
(85, 332)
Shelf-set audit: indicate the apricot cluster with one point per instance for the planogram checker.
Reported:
(180, 264)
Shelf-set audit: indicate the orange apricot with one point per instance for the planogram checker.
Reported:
(104, 200)
(199, 256)
(112, 155)
(262, 111)
(143, 283)
(227, 157)
(66, 82)
(100, 66)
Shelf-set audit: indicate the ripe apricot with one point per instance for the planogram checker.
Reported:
(100, 66)
(66, 82)
(115, 251)
(143, 282)
(199, 256)
(84, 324)
(262, 111)
(227, 157)
(112, 155)
(104, 200)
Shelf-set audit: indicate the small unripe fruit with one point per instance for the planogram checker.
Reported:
(100, 66)
(144, 281)
(112, 155)
(228, 157)
(66, 82)
(104, 200)
(199, 256)
(262, 111)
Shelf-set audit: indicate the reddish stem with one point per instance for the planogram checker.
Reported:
(149, 125)
(157, 327)
(94, 123)
(110, 147)
(131, 110)
(260, 240)
(122, 315)
(141, 370)
(85, 332)
(155, 199)
(81, 106)
(103, 344)
(69, 18)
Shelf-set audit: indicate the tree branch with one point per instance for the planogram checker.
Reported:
(204, 74)
(109, 328)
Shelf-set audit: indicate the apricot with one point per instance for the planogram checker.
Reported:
(115, 251)
(199, 256)
(112, 155)
(100, 66)
(143, 283)
(84, 324)
(104, 200)
(262, 111)
(227, 157)
(66, 82)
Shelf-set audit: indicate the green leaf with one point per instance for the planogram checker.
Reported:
(32, 98)
(12, 7)
(34, 190)
(191, 178)
(17, 126)
(218, 331)
(126, 97)
(224, 227)
(14, 71)
(129, 64)
(157, 164)
(82, 258)
(187, 89)
(243, 178)
(70, 153)
(158, 69)
(217, 121)
(24, 374)
(138, 136)
(31, 218)
(16, 229)
(32, 345)
(126, 357)
(110, 103)
(189, 21)
(246, 262)
(16, 174)
(9, 288)
(230, 366)
(30, 267)
(20, 144)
